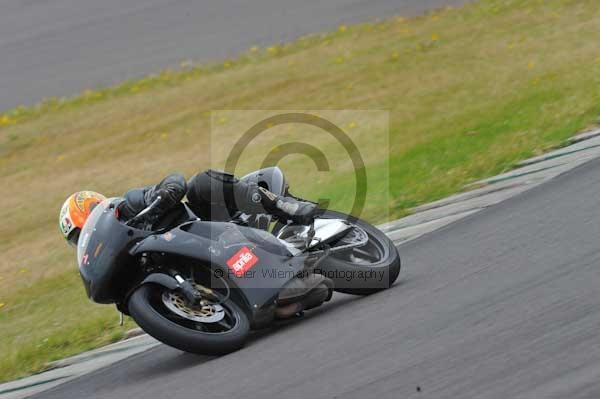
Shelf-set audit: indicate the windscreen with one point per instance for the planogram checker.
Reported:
(88, 230)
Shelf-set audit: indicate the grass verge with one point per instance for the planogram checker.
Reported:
(470, 91)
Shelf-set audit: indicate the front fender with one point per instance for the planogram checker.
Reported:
(161, 279)
(154, 278)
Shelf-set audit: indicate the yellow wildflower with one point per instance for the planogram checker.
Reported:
(531, 65)
(351, 125)
(164, 136)
(342, 28)
(435, 37)
(1, 305)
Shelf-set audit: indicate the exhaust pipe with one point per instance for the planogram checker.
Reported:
(315, 297)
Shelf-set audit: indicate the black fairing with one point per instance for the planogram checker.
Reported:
(109, 250)
(214, 243)
(102, 253)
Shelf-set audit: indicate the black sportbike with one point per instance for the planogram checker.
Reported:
(200, 286)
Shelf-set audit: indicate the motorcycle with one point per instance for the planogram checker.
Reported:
(201, 286)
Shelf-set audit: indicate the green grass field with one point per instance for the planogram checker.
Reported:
(469, 92)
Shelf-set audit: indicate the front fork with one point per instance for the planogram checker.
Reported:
(191, 294)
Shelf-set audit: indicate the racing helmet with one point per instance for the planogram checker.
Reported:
(75, 212)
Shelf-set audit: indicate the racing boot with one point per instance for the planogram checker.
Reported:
(287, 208)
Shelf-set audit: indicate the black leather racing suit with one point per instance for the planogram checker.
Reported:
(215, 195)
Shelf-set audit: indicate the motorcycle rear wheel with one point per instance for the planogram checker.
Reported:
(364, 270)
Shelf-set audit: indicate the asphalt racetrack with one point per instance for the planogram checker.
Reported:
(503, 304)
(62, 47)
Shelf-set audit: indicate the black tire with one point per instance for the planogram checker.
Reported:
(143, 309)
(385, 271)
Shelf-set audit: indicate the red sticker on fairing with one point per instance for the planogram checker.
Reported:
(242, 261)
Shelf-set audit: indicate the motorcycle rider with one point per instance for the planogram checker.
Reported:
(212, 195)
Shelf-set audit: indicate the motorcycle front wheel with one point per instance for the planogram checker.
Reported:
(210, 328)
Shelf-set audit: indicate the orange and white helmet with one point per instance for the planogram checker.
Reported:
(75, 212)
